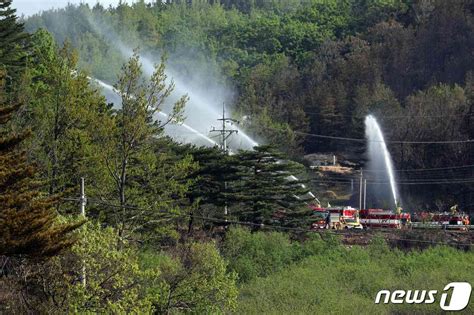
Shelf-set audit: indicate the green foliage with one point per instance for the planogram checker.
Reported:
(451, 103)
(113, 276)
(268, 184)
(13, 41)
(29, 224)
(261, 254)
(121, 278)
(264, 47)
(96, 276)
(130, 151)
(254, 185)
(346, 280)
(64, 113)
(297, 66)
(120, 152)
(194, 279)
(159, 187)
(214, 169)
(268, 88)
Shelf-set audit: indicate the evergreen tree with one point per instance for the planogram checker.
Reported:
(158, 182)
(256, 186)
(128, 143)
(268, 188)
(12, 40)
(28, 222)
(64, 114)
(215, 168)
(214, 187)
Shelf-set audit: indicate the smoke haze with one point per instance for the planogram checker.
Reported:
(207, 95)
(30, 7)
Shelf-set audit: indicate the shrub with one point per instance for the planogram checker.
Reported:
(343, 280)
(193, 278)
(260, 254)
(256, 254)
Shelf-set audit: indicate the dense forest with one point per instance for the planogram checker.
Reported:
(306, 71)
(157, 232)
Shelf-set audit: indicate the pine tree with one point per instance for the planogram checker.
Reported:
(127, 145)
(214, 184)
(64, 112)
(215, 169)
(268, 186)
(257, 186)
(28, 223)
(12, 40)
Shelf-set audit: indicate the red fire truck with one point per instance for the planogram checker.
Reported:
(336, 218)
(320, 218)
(379, 218)
(441, 219)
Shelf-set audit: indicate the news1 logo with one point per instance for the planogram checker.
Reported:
(456, 301)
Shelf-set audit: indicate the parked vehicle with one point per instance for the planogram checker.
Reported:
(337, 218)
(380, 218)
(456, 220)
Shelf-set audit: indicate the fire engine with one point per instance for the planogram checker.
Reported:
(379, 218)
(336, 218)
(350, 218)
(441, 219)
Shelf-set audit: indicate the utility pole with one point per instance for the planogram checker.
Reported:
(83, 199)
(82, 205)
(365, 193)
(225, 133)
(360, 190)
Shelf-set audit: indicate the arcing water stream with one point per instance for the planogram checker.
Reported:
(188, 135)
(201, 112)
(203, 109)
(379, 157)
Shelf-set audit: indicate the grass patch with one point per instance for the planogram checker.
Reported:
(339, 280)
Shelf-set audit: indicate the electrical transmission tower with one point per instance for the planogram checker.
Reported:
(225, 133)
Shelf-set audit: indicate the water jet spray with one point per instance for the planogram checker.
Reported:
(379, 156)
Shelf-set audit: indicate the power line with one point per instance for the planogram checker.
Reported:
(395, 116)
(433, 171)
(425, 183)
(393, 141)
(402, 178)
(420, 182)
(282, 228)
(427, 180)
(455, 177)
(425, 169)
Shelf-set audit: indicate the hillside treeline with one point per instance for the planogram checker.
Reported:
(154, 237)
(141, 239)
(313, 67)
